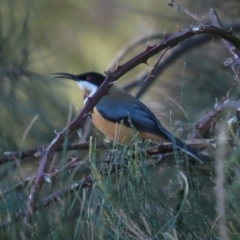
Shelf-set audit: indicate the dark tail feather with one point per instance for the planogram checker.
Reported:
(181, 146)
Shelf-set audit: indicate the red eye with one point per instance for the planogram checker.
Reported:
(89, 78)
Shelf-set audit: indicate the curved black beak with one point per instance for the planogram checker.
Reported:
(64, 76)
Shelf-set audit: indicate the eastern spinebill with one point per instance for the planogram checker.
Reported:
(118, 114)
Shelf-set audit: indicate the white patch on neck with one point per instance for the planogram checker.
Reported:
(89, 87)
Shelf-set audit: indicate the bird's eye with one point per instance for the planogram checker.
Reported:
(89, 78)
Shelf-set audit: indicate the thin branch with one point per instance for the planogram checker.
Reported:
(156, 64)
(37, 152)
(186, 11)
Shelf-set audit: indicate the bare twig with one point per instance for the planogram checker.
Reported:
(186, 11)
(157, 62)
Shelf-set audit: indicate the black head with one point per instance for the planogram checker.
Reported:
(88, 82)
(91, 77)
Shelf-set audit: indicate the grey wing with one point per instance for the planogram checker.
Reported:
(135, 115)
(141, 118)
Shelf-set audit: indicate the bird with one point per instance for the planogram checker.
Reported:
(120, 116)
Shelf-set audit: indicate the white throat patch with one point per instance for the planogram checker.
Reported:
(88, 88)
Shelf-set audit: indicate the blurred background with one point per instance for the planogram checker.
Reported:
(38, 38)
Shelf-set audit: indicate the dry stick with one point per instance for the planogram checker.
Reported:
(37, 152)
(180, 8)
(154, 67)
(220, 192)
(111, 77)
